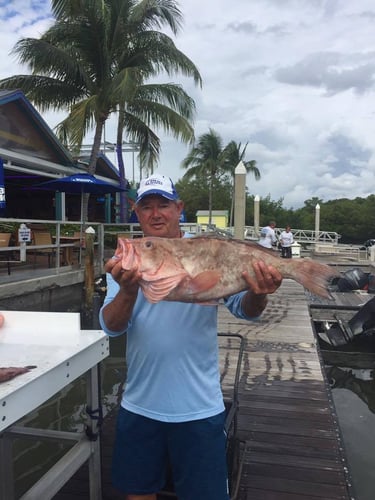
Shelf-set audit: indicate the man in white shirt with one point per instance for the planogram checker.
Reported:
(267, 235)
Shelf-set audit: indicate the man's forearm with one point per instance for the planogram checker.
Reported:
(254, 304)
(116, 314)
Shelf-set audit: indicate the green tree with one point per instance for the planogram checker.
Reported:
(232, 155)
(270, 210)
(95, 60)
(194, 194)
(205, 159)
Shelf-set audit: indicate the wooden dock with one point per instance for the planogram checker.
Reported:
(286, 420)
(294, 448)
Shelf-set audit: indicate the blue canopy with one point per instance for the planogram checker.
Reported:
(81, 183)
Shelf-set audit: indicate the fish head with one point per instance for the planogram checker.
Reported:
(147, 255)
(155, 260)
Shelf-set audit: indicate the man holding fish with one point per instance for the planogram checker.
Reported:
(172, 406)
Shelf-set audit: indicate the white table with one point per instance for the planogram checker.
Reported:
(61, 352)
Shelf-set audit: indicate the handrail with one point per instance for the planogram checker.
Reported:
(56, 228)
(301, 235)
(105, 240)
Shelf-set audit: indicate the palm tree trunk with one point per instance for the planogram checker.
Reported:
(123, 200)
(210, 189)
(121, 167)
(92, 166)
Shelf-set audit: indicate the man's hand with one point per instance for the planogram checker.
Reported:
(267, 280)
(127, 279)
(117, 313)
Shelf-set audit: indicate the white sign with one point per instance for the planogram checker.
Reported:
(24, 233)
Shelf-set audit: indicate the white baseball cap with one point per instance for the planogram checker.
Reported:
(157, 184)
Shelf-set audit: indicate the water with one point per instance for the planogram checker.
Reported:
(353, 391)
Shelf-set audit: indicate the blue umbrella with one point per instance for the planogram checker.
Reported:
(81, 184)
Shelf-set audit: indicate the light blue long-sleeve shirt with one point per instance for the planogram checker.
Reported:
(172, 357)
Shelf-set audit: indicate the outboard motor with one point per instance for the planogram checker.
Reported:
(353, 279)
(371, 283)
(363, 322)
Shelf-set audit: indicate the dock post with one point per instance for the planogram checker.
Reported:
(89, 276)
(239, 201)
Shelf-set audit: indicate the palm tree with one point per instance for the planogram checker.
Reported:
(232, 155)
(166, 106)
(151, 50)
(96, 59)
(205, 158)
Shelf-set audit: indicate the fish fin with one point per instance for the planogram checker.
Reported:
(159, 289)
(315, 276)
(181, 284)
(200, 283)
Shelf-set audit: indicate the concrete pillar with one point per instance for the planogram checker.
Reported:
(239, 201)
(256, 215)
(317, 222)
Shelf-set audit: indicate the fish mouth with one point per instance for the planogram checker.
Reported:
(128, 256)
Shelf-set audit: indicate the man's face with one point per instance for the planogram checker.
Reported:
(159, 216)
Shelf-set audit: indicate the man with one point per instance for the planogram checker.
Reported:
(172, 407)
(267, 235)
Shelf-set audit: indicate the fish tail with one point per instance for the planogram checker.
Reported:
(313, 275)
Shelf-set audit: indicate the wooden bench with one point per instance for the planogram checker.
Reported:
(5, 255)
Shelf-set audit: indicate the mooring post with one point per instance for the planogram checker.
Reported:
(89, 273)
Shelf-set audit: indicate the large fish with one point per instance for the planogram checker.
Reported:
(9, 372)
(205, 269)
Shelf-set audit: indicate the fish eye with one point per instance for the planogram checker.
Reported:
(148, 244)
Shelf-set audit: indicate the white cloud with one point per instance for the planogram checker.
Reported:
(294, 79)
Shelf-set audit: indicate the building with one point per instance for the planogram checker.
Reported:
(32, 154)
(218, 217)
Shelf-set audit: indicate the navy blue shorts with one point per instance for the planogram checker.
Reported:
(196, 451)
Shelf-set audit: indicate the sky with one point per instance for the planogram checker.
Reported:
(292, 79)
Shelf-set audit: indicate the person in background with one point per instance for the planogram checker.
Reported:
(286, 241)
(267, 235)
(172, 406)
